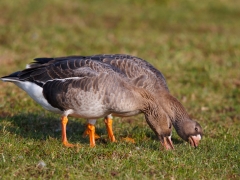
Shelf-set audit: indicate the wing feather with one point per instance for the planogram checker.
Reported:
(138, 71)
(63, 93)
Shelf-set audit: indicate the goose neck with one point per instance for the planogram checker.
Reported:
(174, 109)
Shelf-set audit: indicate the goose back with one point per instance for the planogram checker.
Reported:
(141, 73)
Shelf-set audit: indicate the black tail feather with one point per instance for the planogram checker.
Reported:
(14, 75)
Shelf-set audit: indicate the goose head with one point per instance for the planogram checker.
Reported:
(156, 118)
(162, 127)
(190, 130)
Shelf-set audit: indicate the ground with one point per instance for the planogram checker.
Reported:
(195, 45)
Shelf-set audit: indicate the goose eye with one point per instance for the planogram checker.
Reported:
(196, 129)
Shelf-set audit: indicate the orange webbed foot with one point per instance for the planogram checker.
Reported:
(128, 139)
(67, 144)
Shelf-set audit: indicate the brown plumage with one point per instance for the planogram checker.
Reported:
(83, 87)
(138, 70)
(144, 75)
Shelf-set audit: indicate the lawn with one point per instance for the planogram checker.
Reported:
(195, 45)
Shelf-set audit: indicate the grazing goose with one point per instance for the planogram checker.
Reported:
(144, 75)
(90, 89)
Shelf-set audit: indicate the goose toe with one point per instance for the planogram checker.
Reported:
(67, 144)
(128, 139)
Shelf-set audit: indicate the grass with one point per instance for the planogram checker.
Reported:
(195, 45)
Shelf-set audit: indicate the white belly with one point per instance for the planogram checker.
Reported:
(35, 92)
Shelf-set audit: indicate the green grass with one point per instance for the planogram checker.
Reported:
(195, 45)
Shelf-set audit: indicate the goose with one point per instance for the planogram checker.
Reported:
(143, 75)
(90, 89)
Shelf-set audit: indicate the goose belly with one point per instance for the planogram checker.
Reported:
(96, 104)
(35, 92)
(87, 105)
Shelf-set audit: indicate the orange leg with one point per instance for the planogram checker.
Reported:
(91, 132)
(108, 123)
(65, 142)
(87, 132)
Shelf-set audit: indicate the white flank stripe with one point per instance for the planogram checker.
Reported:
(28, 66)
(65, 79)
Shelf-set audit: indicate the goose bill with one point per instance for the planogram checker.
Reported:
(194, 140)
(167, 143)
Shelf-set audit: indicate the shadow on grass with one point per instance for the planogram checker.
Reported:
(148, 133)
(41, 127)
